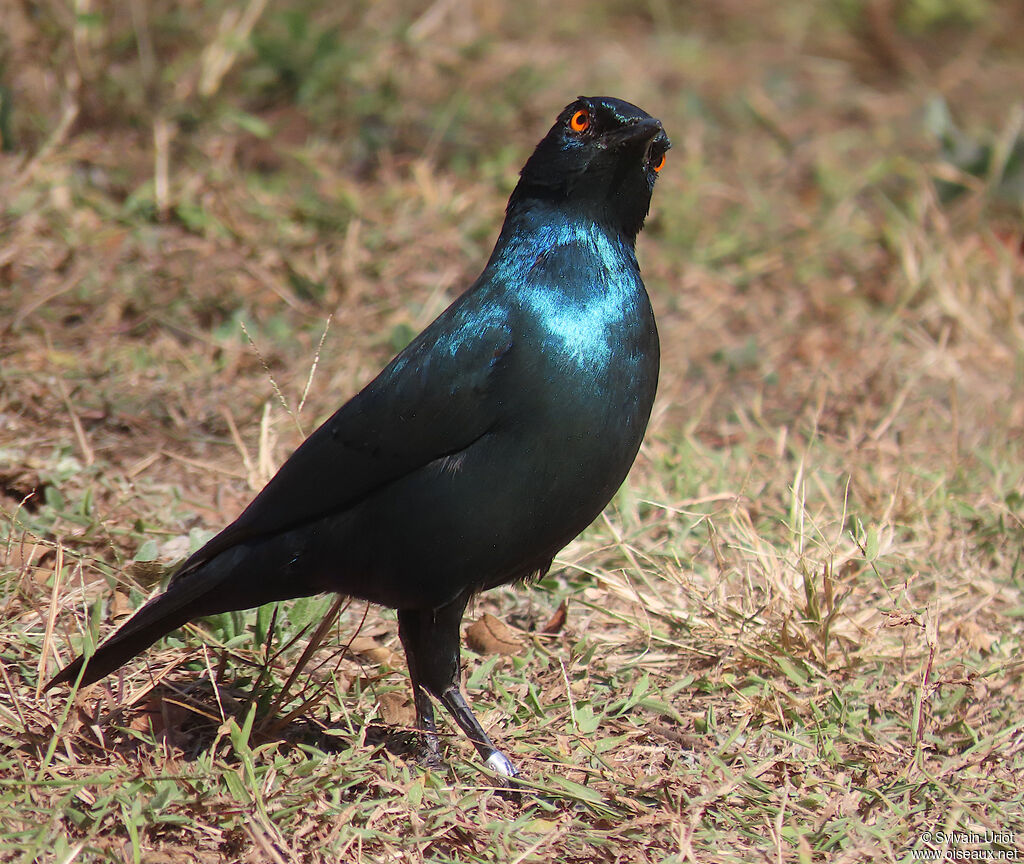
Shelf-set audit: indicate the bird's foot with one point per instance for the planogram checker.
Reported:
(499, 763)
(430, 760)
(429, 751)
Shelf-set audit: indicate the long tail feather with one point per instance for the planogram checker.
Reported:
(190, 594)
(151, 622)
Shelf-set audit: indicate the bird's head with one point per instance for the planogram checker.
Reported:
(600, 159)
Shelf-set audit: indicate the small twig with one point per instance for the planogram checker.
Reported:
(261, 838)
(250, 469)
(201, 465)
(69, 113)
(51, 619)
(568, 696)
(270, 375)
(72, 853)
(312, 369)
(307, 652)
(87, 452)
(163, 132)
(143, 42)
(925, 683)
(775, 826)
(273, 284)
(72, 280)
(265, 454)
(213, 684)
(13, 698)
(268, 652)
(220, 55)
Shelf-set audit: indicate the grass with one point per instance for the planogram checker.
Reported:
(795, 635)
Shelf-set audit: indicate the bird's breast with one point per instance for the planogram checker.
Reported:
(588, 338)
(587, 317)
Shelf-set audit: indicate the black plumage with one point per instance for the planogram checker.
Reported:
(483, 448)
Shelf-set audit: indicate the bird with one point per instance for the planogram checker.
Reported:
(482, 449)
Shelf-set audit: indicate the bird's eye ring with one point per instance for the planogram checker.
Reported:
(659, 164)
(580, 121)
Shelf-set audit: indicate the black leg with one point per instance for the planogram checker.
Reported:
(431, 756)
(431, 641)
(455, 702)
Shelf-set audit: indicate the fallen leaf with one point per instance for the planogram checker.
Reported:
(396, 709)
(491, 635)
(557, 621)
(370, 649)
(978, 638)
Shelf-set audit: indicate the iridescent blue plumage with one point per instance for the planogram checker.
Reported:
(484, 447)
(584, 290)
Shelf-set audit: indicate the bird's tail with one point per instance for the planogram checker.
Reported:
(157, 618)
(242, 576)
(189, 595)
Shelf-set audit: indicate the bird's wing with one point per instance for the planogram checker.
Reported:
(433, 400)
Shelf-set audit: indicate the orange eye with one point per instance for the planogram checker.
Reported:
(660, 163)
(580, 121)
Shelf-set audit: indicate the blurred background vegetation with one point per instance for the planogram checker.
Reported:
(796, 633)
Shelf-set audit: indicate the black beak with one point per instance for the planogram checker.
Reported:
(644, 131)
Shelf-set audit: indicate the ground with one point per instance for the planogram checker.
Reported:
(794, 635)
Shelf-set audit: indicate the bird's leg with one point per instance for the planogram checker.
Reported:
(431, 642)
(431, 756)
(456, 703)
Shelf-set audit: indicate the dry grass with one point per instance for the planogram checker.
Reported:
(796, 634)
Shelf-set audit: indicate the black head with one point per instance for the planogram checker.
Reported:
(601, 158)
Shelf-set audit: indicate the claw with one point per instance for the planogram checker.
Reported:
(499, 763)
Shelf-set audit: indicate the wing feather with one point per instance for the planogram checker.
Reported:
(432, 401)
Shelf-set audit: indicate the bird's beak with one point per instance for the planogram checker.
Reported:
(641, 132)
